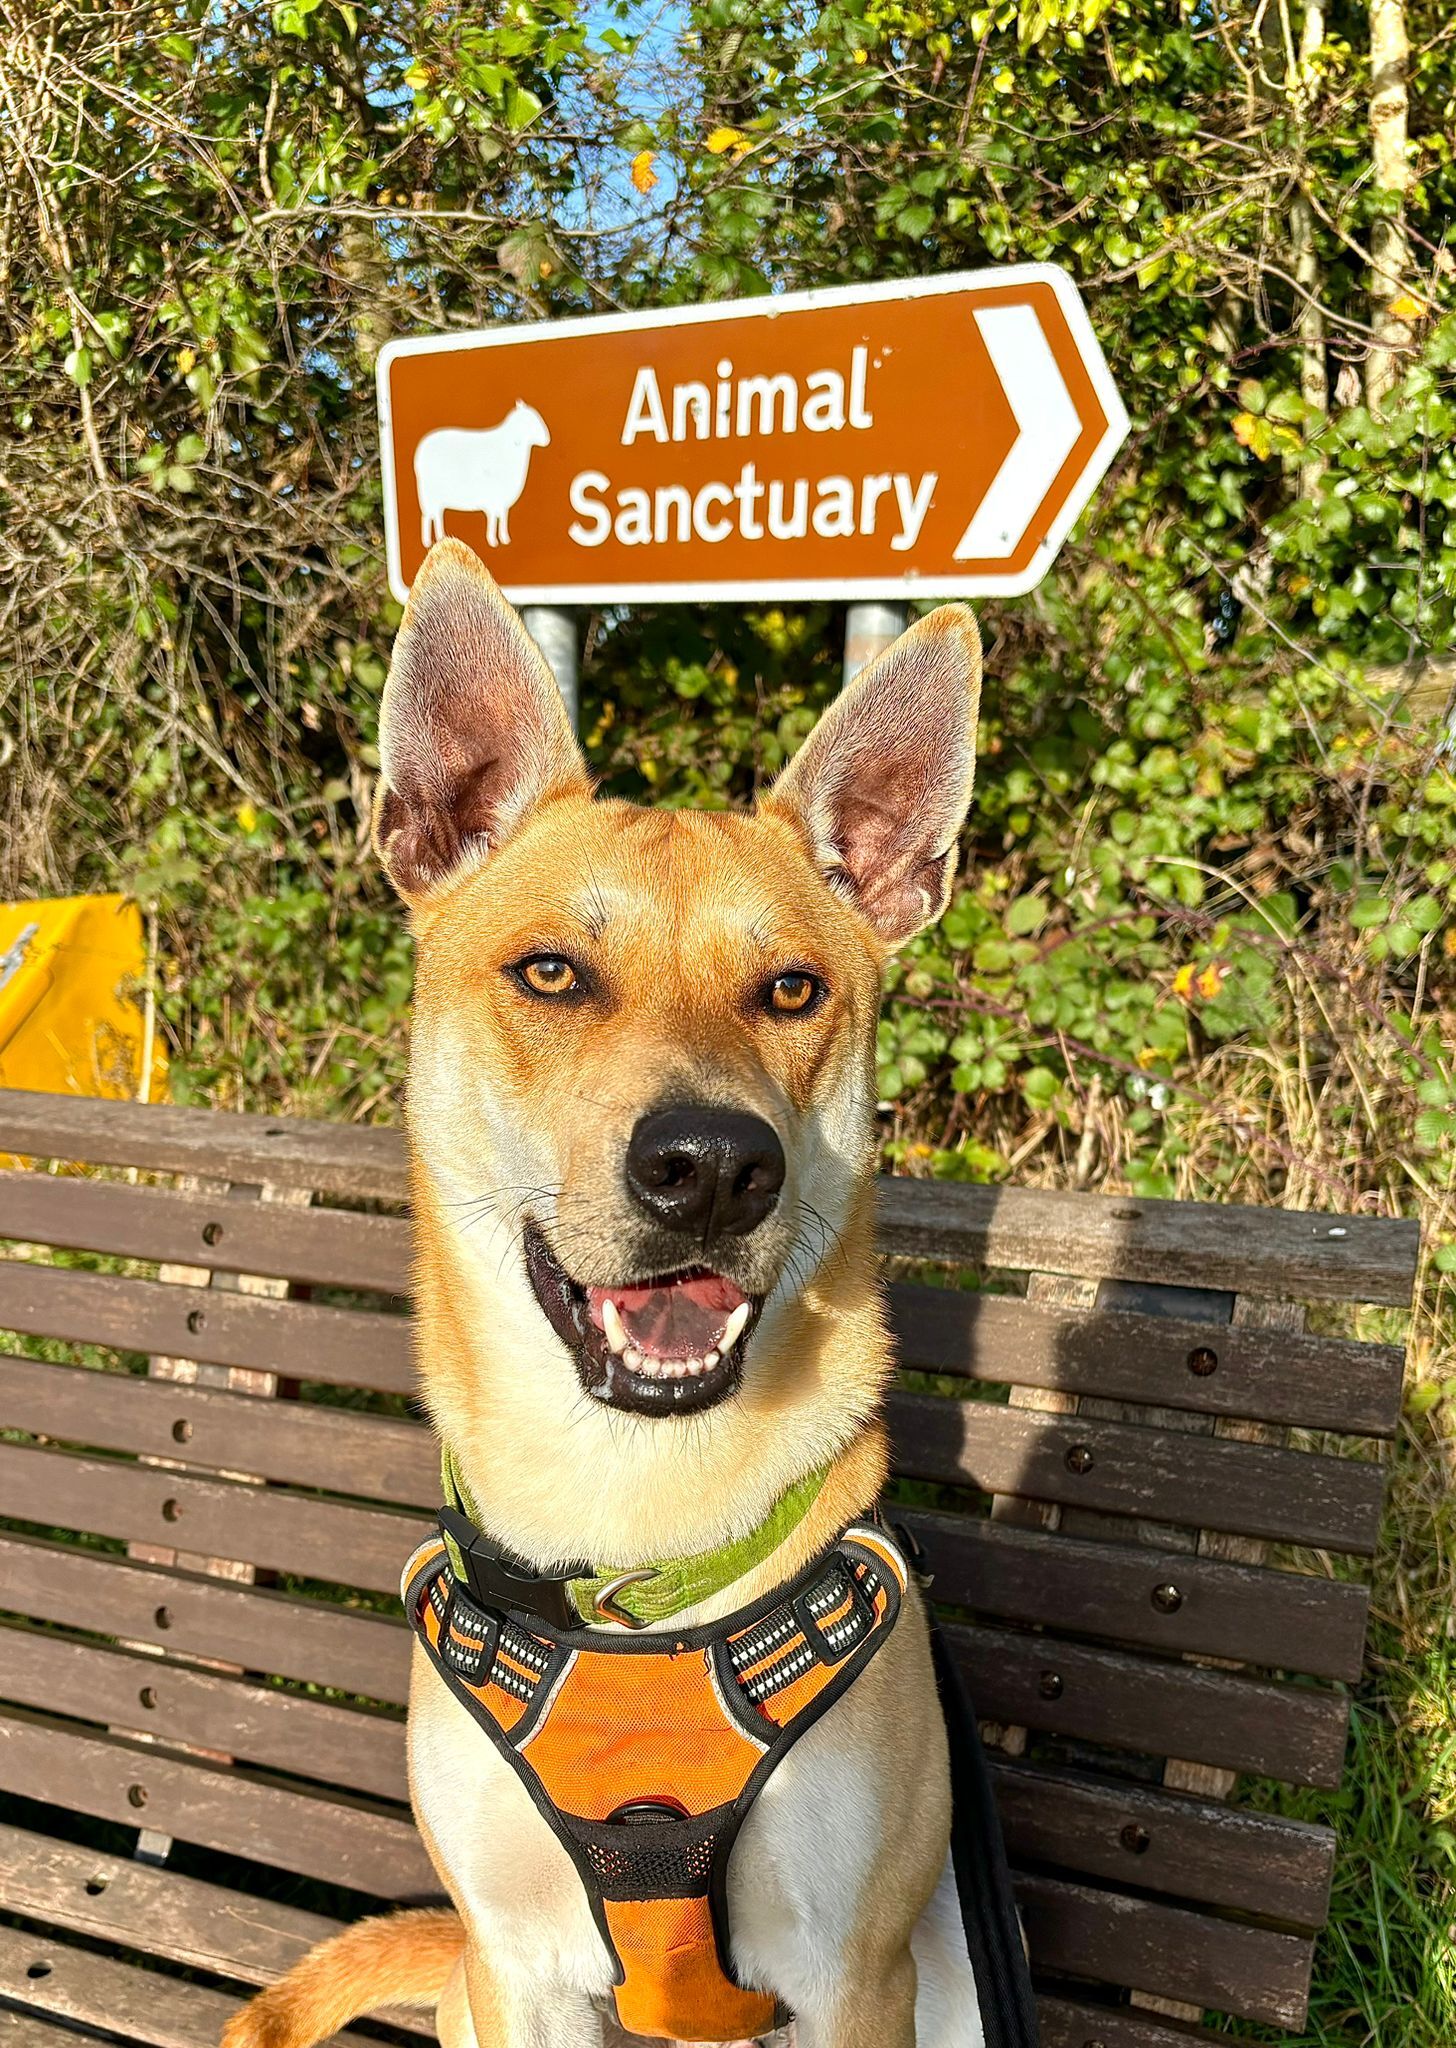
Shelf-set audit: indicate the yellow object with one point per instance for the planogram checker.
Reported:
(71, 1016)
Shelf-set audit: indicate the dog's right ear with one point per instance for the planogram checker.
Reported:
(472, 731)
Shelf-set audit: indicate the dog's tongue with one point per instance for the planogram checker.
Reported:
(676, 1318)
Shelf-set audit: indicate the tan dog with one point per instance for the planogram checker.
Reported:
(642, 1119)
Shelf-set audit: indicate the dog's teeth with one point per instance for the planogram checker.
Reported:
(613, 1328)
(710, 1360)
(736, 1324)
(632, 1358)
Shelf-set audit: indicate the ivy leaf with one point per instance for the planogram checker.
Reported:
(1026, 915)
(1255, 434)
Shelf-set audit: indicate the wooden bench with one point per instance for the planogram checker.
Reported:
(207, 1503)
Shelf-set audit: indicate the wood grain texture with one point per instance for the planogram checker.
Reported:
(180, 1705)
(1293, 1496)
(1269, 1375)
(1076, 1689)
(333, 1449)
(341, 1159)
(1285, 1252)
(1122, 1468)
(1108, 1937)
(160, 1913)
(1279, 1620)
(188, 1614)
(1140, 1704)
(315, 1247)
(72, 1983)
(261, 1525)
(1066, 2023)
(28, 2030)
(1164, 1842)
(1193, 1244)
(1313, 1382)
(146, 2006)
(340, 1347)
(371, 1849)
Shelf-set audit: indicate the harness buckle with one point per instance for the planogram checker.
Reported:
(605, 1605)
(497, 1579)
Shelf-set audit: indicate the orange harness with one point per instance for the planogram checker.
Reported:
(645, 1752)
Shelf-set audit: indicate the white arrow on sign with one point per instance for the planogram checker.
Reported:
(1047, 431)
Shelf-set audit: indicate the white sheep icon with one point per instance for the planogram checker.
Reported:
(469, 469)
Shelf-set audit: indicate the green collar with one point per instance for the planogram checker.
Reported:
(666, 1586)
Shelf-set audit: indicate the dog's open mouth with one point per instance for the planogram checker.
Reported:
(664, 1346)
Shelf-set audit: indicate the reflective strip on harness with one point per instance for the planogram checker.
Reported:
(644, 1753)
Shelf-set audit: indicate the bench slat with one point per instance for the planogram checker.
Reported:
(1165, 1842)
(160, 1913)
(1024, 1680)
(332, 1449)
(1292, 1496)
(141, 2005)
(1189, 1850)
(1266, 1375)
(1255, 1973)
(26, 2030)
(1288, 1252)
(1068, 2025)
(1258, 1616)
(328, 1836)
(344, 1159)
(1129, 1702)
(1284, 1252)
(1283, 1620)
(315, 1247)
(1126, 1469)
(1280, 1620)
(175, 1703)
(78, 1986)
(364, 1654)
(336, 1346)
(262, 1525)
(1262, 1375)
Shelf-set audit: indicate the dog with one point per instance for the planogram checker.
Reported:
(641, 1114)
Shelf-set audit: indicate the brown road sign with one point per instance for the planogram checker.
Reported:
(938, 436)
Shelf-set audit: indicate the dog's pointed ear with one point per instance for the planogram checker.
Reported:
(472, 731)
(881, 786)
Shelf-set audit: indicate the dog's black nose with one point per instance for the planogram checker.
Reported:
(707, 1172)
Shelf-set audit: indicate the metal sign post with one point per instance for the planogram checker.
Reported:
(868, 631)
(553, 629)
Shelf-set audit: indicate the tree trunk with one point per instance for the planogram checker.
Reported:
(1389, 248)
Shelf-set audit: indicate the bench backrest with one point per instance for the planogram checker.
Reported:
(210, 1475)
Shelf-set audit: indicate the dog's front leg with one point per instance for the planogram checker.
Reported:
(871, 2005)
(481, 2007)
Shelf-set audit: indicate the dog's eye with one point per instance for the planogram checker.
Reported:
(793, 993)
(547, 974)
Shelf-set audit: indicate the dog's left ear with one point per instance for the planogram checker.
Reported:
(881, 786)
(472, 731)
